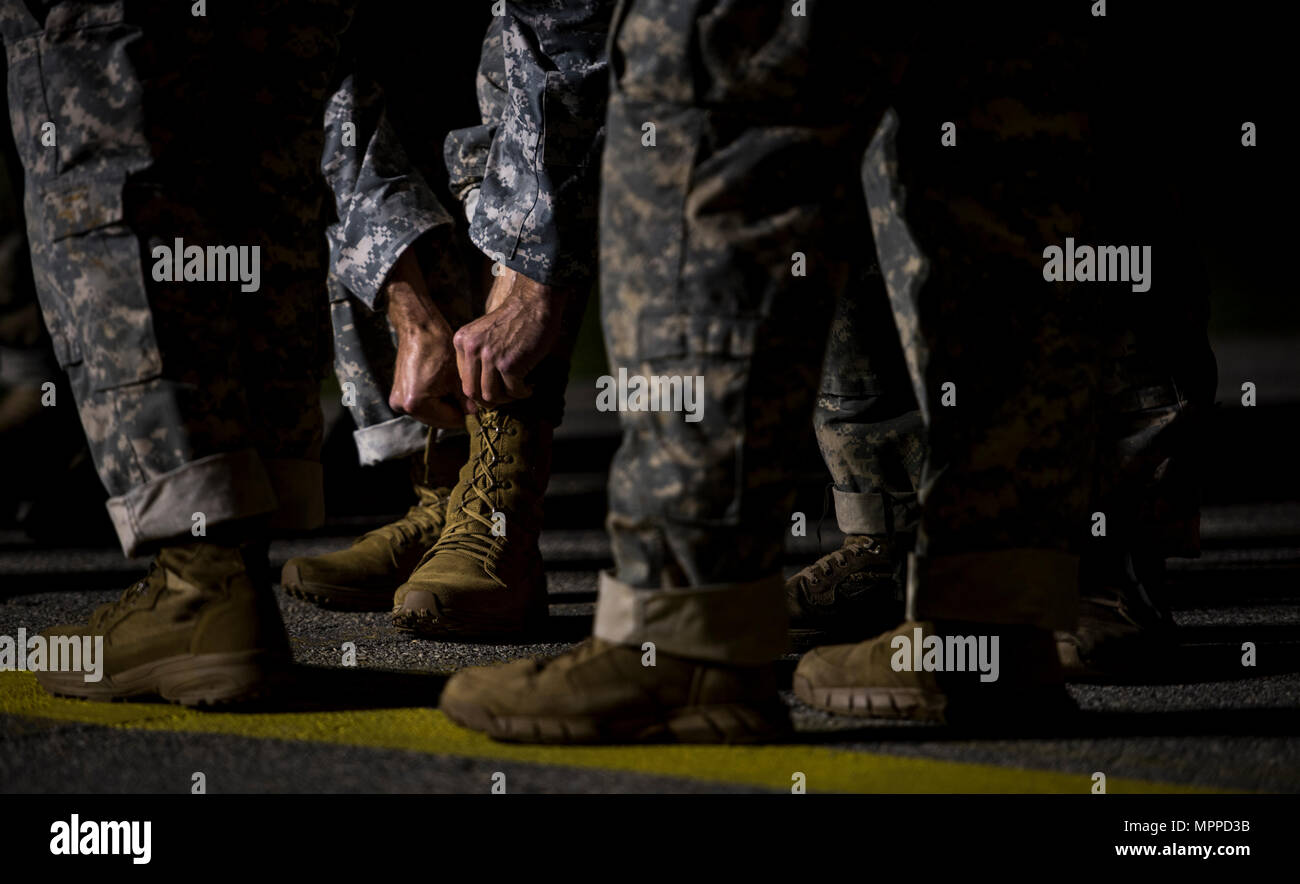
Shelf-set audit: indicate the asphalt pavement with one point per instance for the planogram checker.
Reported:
(1203, 723)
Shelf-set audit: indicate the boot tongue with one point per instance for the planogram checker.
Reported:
(426, 518)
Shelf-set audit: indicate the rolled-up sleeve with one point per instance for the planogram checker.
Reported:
(382, 201)
(536, 207)
(465, 151)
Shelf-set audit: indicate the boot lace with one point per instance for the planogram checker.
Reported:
(130, 597)
(463, 533)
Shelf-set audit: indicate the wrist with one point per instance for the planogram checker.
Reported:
(413, 313)
(514, 286)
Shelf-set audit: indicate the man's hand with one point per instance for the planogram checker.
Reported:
(497, 351)
(425, 384)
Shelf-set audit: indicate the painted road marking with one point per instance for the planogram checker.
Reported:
(429, 731)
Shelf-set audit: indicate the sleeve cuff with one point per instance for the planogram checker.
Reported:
(375, 238)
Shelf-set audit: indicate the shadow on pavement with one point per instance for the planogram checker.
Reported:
(335, 689)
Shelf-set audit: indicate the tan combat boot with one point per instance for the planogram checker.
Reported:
(601, 692)
(855, 591)
(364, 576)
(1123, 635)
(484, 577)
(901, 674)
(201, 628)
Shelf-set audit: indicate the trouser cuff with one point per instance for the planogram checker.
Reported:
(391, 440)
(743, 624)
(223, 487)
(1028, 587)
(874, 512)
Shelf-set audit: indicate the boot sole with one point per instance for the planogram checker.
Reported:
(450, 625)
(336, 598)
(467, 625)
(1036, 705)
(728, 723)
(188, 679)
(909, 704)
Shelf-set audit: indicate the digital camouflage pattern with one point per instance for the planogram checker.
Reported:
(562, 66)
(758, 140)
(868, 426)
(1008, 477)
(194, 396)
(385, 206)
(365, 352)
(382, 201)
(1047, 375)
(751, 164)
(534, 211)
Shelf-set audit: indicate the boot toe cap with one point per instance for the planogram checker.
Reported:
(816, 668)
(492, 690)
(410, 599)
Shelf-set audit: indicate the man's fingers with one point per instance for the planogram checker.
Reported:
(434, 411)
(492, 391)
(467, 366)
(400, 399)
(397, 402)
(458, 398)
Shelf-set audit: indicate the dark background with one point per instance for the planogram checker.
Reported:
(1202, 75)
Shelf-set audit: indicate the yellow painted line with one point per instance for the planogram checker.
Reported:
(429, 731)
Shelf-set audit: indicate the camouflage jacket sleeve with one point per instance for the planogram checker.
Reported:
(536, 207)
(383, 203)
(465, 151)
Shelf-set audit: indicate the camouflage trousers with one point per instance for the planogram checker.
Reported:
(1157, 384)
(1148, 474)
(25, 355)
(757, 168)
(145, 129)
(868, 425)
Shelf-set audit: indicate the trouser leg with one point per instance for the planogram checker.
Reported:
(719, 261)
(868, 426)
